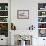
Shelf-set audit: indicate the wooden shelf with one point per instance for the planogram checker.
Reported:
(3, 16)
(42, 16)
(42, 10)
(4, 19)
(41, 22)
(3, 10)
(41, 28)
(3, 22)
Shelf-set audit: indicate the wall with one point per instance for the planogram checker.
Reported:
(23, 24)
(32, 6)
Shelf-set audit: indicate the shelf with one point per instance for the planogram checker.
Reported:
(41, 22)
(41, 10)
(3, 22)
(41, 28)
(3, 10)
(42, 16)
(42, 19)
(3, 16)
(4, 19)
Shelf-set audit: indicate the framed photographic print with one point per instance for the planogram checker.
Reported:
(22, 14)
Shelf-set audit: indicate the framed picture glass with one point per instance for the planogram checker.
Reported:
(22, 14)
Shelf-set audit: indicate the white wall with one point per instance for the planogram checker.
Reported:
(23, 24)
(32, 6)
